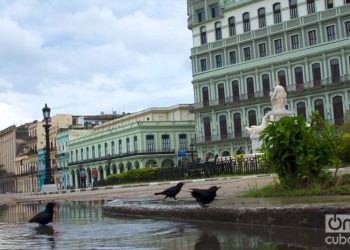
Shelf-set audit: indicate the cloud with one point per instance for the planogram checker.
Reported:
(84, 57)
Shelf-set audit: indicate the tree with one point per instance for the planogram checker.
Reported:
(297, 151)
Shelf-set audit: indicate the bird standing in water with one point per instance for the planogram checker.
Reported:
(45, 216)
(172, 191)
(204, 196)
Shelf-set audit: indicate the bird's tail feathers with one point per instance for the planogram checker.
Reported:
(158, 193)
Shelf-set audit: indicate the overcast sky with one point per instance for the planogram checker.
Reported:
(82, 57)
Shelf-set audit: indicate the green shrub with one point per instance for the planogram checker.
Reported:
(345, 154)
(134, 175)
(297, 151)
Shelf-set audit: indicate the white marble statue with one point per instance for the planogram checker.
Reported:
(278, 98)
(257, 129)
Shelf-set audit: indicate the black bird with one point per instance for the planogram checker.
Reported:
(45, 216)
(204, 196)
(172, 191)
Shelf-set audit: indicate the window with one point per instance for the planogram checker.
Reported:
(82, 154)
(246, 22)
(207, 129)
(205, 96)
(277, 13)
(106, 149)
(347, 28)
(335, 70)
(237, 124)
(316, 74)
(223, 127)
(312, 37)
(281, 75)
(221, 93)
(338, 112)
(76, 155)
(232, 26)
(330, 33)
(262, 50)
(247, 55)
(295, 41)
(120, 147)
(182, 142)
(150, 143)
(262, 19)
(235, 90)
(218, 60)
(310, 7)
(293, 7)
(329, 4)
(218, 34)
(346, 1)
(135, 144)
(127, 145)
(99, 150)
(203, 35)
(299, 80)
(214, 11)
(301, 109)
(87, 153)
(165, 143)
(252, 118)
(266, 110)
(93, 152)
(203, 64)
(250, 87)
(200, 15)
(112, 147)
(319, 107)
(278, 46)
(266, 84)
(232, 57)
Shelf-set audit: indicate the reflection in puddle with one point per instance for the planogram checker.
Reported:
(82, 225)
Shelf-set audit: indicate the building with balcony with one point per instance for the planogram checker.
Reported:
(151, 137)
(242, 47)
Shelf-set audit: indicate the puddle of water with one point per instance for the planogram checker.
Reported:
(82, 225)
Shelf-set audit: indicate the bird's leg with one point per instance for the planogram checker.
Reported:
(165, 198)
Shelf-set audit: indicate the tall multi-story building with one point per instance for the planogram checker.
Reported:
(242, 47)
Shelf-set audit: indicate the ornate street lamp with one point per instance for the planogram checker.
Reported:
(48, 173)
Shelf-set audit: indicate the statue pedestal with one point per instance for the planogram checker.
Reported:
(255, 143)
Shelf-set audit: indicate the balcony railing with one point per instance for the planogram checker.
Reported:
(123, 155)
(220, 137)
(331, 81)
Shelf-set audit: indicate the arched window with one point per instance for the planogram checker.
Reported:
(221, 93)
(235, 90)
(338, 110)
(237, 124)
(223, 127)
(267, 110)
(282, 78)
(231, 26)
(203, 31)
(277, 13)
(316, 74)
(205, 96)
(266, 84)
(246, 22)
(311, 6)
(250, 87)
(335, 70)
(319, 107)
(301, 109)
(262, 18)
(293, 7)
(252, 117)
(207, 129)
(218, 34)
(299, 80)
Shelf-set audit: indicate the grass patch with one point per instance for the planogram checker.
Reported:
(339, 185)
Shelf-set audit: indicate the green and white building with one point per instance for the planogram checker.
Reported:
(242, 47)
(151, 137)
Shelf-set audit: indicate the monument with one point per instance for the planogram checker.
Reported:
(278, 103)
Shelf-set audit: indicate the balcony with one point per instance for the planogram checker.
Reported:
(217, 138)
(124, 155)
(328, 82)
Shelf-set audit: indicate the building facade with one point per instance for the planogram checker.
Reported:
(151, 137)
(242, 47)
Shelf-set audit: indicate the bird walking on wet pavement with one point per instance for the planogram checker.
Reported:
(172, 191)
(204, 196)
(45, 216)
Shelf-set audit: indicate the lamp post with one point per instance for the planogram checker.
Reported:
(48, 173)
(191, 148)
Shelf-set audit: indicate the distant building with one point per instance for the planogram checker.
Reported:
(151, 137)
(242, 47)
